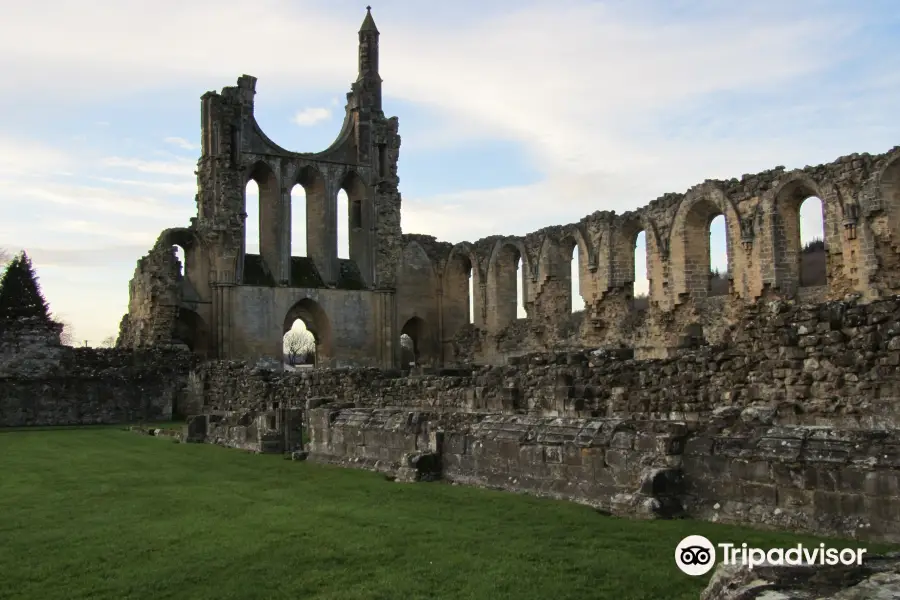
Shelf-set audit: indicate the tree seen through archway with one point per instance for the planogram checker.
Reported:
(299, 345)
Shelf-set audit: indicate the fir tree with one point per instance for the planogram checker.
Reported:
(20, 294)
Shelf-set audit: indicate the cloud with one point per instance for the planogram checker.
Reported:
(311, 116)
(99, 230)
(92, 258)
(184, 188)
(181, 143)
(85, 198)
(184, 167)
(24, 157)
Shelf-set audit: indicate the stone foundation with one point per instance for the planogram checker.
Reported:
(818, 480)
(276, 431)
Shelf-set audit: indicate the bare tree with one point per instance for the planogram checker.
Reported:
(407, 351)
(108, 342)
(298, 346)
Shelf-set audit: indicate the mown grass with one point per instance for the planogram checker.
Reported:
(104, 513)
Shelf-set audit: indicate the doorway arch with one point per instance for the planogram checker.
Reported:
(421, 340)
(317, 323)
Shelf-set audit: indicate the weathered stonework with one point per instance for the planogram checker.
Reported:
(272, 431)
(820, 480)
(45, 383)
(878, 578)
(832, 364)
(793, 424)
(233, 305)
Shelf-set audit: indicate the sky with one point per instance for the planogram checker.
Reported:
(514, 115)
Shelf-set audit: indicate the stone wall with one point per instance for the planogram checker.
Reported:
(623, 467)
(821, 480)
(273, 431)
(860, 196)
(831, 364)
(381, 440)
(421, 286)
(44, 383)
(791, 423)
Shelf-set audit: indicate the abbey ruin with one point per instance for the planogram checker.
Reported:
(230, 304)
(774, 403)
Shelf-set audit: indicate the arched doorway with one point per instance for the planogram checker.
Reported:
(317, 323)
(416, 344)
(190, 330)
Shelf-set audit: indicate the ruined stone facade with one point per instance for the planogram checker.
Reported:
(230, 304)
(43, 383)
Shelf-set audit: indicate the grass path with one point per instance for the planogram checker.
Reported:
(107, 514)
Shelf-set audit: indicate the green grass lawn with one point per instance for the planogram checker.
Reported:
(104, 513)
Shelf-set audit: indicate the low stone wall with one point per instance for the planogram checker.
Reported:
(381, 440)
(276, 431)
(44, 383)
(817, 480)
(621, 467)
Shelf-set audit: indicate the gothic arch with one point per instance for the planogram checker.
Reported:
(796, 188)
(461, 264)
(191, 330)
(271, 217)
(689, 239)
(623, 243)
(570, 239)
(360, 218)
(317, 323)
(463, 251)
(502, 292)
(425, 350)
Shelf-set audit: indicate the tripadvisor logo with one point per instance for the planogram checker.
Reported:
(696, 555)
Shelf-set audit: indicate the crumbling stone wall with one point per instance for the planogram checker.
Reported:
(792, 423)
(154, 298)
(822, 480)
(44, 383)
(418, 285)
(621, 467)
(830, 364)
(860, 200)
(381, 440)
(208, 311)
(269, 431)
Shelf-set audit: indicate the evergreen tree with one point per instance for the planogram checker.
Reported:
(20, 294)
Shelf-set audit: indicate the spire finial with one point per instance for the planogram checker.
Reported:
(369, 22)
